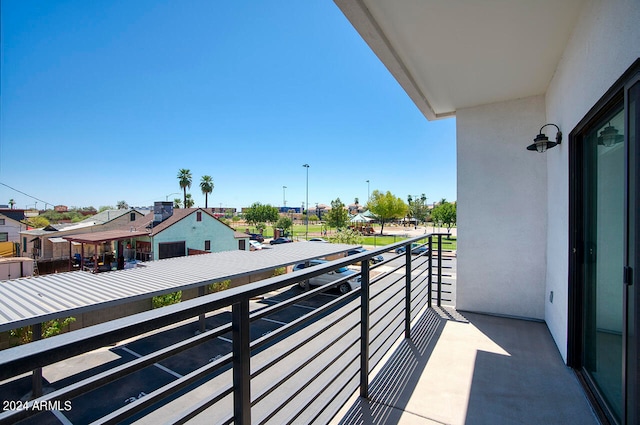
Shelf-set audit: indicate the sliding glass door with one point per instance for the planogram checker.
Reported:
(604, 238)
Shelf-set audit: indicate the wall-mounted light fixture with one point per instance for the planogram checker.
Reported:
(541, 143)
(609, 136)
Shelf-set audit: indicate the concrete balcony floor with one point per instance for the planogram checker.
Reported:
(465, 368)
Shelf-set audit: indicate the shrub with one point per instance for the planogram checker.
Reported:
(167, 299)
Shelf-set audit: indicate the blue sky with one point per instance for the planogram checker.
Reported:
(106, 100)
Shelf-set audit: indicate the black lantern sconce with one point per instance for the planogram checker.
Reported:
(609, 136)
(541, 143)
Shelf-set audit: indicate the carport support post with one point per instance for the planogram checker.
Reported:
(36, 377)
(364, 330)
(407, 292)
(241, 363)
(201, 318)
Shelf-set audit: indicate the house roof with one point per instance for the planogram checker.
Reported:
(106, 236)
(147, 222)
(108, 215)
(454, 54)
(17, 215)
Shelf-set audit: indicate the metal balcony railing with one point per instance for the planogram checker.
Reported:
(302, 371)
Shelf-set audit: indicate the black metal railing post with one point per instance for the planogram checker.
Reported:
(430, 272)
(364, 330)
(407, 293)
(439, 270)
(241, 363)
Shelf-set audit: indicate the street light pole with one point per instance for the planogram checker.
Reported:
(166, 198)
(306, 235)
(284, 198)
(368, 191)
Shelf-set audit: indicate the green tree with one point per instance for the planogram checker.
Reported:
(37, 222)
(347, 236)
(122, 205)
(284, 223)
(386, 207)
(105, 208)
(184, 179)
(338, 216)
(258, 213)
(50, 328)
(418, 208)
(11, 203)
(177, 202)
(188, 203)
(206, 185)
(445, 215)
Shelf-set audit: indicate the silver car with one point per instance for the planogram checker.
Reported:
(323, 279)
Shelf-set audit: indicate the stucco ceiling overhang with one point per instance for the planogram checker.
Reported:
(455, 54)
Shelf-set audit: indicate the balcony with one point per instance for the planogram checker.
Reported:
(388, 352)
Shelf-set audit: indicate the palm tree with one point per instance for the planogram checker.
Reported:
(184, 177)
(188, 203)
(122, 205)
(11, 203)
(206, 185)
(177, 203)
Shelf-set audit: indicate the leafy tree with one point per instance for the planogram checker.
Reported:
(188, 203)
(166, 299)
(37, 222)
(259, 214)
(52, 327)
(314, 218)
(206, 185)
(418, 208)
(122, 205)
(184, 179)
(284, 223)
(338, 216)
(177, 203)
(445, 214)
(386, 207)
(11, 203)
(347, 236)
(105, 208)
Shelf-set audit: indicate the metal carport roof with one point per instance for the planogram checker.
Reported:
(27, 301)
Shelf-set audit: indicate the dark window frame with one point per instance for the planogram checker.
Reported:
(199, 216)
(207, 245)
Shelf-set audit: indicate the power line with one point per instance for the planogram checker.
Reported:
(26, 194)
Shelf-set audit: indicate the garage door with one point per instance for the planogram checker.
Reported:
(171, 249)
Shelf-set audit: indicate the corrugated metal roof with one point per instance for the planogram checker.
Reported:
(31, 300)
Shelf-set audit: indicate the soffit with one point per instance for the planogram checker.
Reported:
(454, 54)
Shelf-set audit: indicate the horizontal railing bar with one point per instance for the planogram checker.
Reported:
(195, 409)
(355, 359)
(332, 399)
(162, 392)
(298, 345)
(305, 385)
(265, 339)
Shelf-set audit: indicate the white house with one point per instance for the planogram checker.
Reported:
(551, 236)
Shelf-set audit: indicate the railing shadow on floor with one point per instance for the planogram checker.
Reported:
(396, 381)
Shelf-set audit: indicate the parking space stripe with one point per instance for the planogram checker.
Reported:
(274, 321)
(158, 365)
(225, 339)
(61, 417)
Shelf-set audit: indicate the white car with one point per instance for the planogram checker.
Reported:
(255, 245)
(329, 277)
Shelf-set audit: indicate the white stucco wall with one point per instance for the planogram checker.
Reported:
(502, 209)
(605, 42)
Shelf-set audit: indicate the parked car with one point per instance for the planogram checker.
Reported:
(278, 241)
(329, 277)
(255, 245)
(416, 249)
(318, 240)
(374, 260)
(256, 237)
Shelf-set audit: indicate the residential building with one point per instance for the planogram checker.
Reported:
(48, 243)
(551, 236)
(175, 232)
(11, 225)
